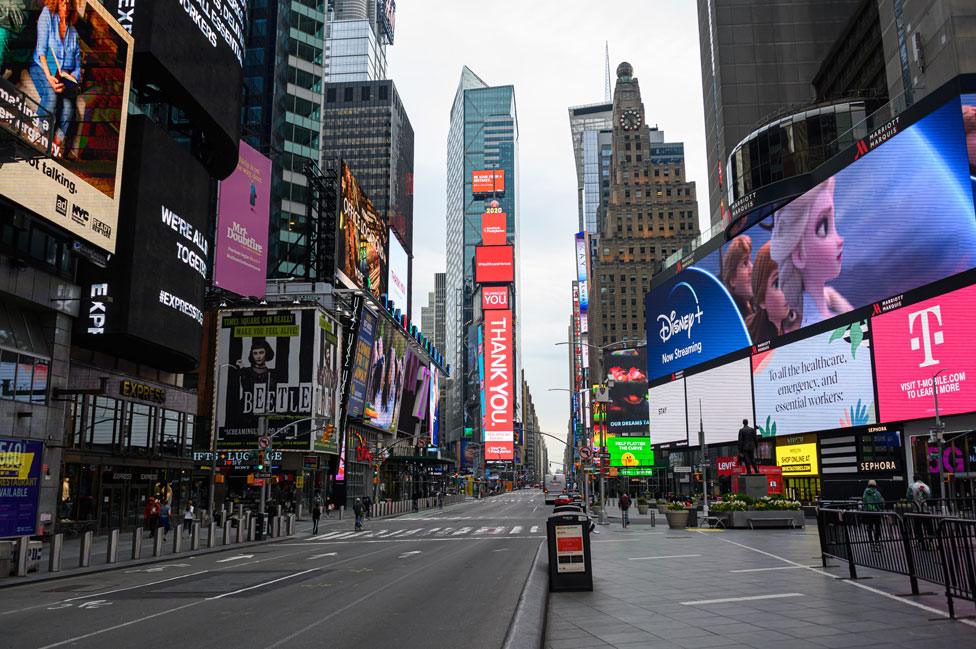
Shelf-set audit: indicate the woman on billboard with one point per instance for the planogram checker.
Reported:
(772, 315)
(808, 250)
(56, 66)
(737, 273)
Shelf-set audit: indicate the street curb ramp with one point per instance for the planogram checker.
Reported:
(528, 627)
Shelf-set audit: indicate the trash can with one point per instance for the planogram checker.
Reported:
(35, 551)
(568, 540)
(259, 526)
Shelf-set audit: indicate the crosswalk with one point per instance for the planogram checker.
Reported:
(432, 532)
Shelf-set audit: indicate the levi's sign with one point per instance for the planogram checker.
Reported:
(494, 297)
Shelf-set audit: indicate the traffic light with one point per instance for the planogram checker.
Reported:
(260, 462)
(698, 476)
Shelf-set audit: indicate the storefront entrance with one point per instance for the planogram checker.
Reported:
(958, 463)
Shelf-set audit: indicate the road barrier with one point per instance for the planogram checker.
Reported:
(112, 551)
(929, 547)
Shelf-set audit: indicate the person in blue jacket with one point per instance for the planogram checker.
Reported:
(56, 66)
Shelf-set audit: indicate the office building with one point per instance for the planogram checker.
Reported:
(358, 34)
(585, 125)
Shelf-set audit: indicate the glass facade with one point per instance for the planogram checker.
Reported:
(585, 124)
(354, 53)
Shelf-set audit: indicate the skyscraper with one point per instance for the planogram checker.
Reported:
(585, 125)
(483, 137)
(358, 33)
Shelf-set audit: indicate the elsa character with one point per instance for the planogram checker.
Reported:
(807, 249)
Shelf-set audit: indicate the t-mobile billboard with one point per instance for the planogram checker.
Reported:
(916, 342)
(242, 225)
(499, 385)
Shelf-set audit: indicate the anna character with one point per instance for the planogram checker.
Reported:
(772, 316)
(736, 273)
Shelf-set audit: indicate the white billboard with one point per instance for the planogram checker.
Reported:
(667, 406)
(719, 399)
(399, 274)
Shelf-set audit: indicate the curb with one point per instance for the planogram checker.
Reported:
(528, 627)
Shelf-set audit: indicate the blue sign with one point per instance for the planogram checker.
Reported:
(362, 355)
(690, 319)
(20, 478)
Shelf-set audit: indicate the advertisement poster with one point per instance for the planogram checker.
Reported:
(630, 451)
(494, 226)
(582, 271)
(499, 386)
(266, 364)
(494, 264)
(853, 240)
(363, 239)
(434, 407)
(569, 549)
(821, 383)
(363, 352)
(20, 478)
(69, 103)
(718, 400)
(488, 181)
(241, 262)
(494, 297)
(398, 280)
(386, 376)
(668, 419)
(325, 405)
(797, 455)
(627, 412)
(926, 344)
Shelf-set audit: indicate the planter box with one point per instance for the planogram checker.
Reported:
(642, 510)
(767, 519)
(677, 520)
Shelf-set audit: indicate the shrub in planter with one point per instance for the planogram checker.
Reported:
(725, 506)
(677, 507)
(642, 505)
(776, 503)
(677, 515)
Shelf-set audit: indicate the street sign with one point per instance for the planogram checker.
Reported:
(682, 469)
(264, 442)
(586, 453)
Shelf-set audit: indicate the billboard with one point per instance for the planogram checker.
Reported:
(493, 229)
(668, 416)
(797, 455)
(241, 260)
(852, 241)
(398, 279)
(362, 353)
(494, 264)
(20, 478)
(630, 451)
(627, 412)
(488, 181)
(719, 399)
(434, 407)
(494, 297)
(386, 376)
(582, 268)
(326, 389)
(499, 385)
(266, 366)
(915, 343)
(820, 383)
(361, 254)
(69, 100)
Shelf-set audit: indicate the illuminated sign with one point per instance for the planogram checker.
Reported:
(498, 386)
(488, 181)
(494, 297)
(493, 226)
(797, 454)
(630, 451)
(494, 264)
(142, 391)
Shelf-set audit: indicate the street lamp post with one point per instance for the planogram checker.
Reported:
(939, 436)
(213, 441)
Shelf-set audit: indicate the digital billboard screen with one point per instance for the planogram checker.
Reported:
(363, 235)
(797, 455)
(494, 264)
(627, 412)
(718, 400)
(362, 354)
(630, 451)
(398, 279)
(929, 343)
(241, 260)
(434, 407)
(70, 101)
(878, 228)
(488, 181)
(582, 271)
(668, 416)
(494, 297)
(499, 386)
(820, 383)
(493, 229)
(386, 376)
(326, 389)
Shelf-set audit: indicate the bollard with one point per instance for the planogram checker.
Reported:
(112, 554)
(291, 525)
(57, 546)
(212, 537)
(240, 530)
(301, 506)
(226, 539)
(277, 524)
(23, 548)
(240, 511)
(158, 542)
(252, 528)
(278, 510)
(178, 538)
(137, 543)
(86, 546)
(195, 536)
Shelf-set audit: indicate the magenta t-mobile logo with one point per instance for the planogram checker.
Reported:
(929, 338)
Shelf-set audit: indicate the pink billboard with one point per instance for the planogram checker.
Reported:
(930, 342)
(241, 260)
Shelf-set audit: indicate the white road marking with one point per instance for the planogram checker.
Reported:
(95, 603)
(428, 533)
(445, 531)
(408, 554)
(463, 530)
(481, 530)
(322, 537)
(747, 598)
(321, 556)
(516, 530)
(765, 569)
(237, 558)
(262, 584)
(534, 529)
(497, 530)
(368, 534)
(410, 532)
(672, 556)
(158, 568)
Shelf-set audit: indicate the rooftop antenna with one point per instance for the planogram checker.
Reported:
(606, 76)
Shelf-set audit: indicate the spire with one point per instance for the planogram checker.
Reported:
(606, 77)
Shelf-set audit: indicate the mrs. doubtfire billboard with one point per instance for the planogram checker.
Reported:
(898, 218)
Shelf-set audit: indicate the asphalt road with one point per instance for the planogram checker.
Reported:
(449, 578)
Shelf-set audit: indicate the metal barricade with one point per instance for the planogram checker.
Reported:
(957, 551)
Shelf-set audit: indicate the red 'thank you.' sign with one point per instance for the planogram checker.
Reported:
(494, 297)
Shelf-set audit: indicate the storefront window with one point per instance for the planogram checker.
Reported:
(23, 384)
(188, 443)
(8, 370)
(169, 434)
(103, 422)
(140, 425)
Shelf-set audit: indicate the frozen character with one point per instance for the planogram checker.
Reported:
(56, 66)
(772, 315)
(808, 250)
(737, 273)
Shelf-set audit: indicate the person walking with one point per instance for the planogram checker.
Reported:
(151, 514)
(357, 510)
(188, 518)
(919, 493)
(873, 501)
(624, 503)
(164, 511)
(440, 499)
(316, 515)
(367, 507)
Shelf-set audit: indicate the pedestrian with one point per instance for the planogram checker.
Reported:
(919, 493)
(357, 510)
(316, 515)
(164, 511)
(440, 499)
(873, 501)
(151, 514)
(624, 503)
(188, 517)
(367, 507)
(747, 447)
(416, 502)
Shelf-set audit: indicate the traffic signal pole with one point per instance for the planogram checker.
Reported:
(262, 431)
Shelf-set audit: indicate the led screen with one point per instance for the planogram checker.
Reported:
(719, 399)
(627, 412)
(582, 268)
(630, 451)
(668, 418)
(494, 264)
(361, 251)
(797, 455)
(20, 470)
(363, 352)
(386, 375)
(877, 228)
(69, 104)
(493, 228)
(399, 275)
(434, 407)
(498, 385)
(916, 342)
(820, 383)
(488, 181)
(494, 297)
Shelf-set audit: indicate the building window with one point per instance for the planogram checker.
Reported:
(347, 94)
(330, 95)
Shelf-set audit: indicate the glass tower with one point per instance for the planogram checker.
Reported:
(356, 42)
(585, 124)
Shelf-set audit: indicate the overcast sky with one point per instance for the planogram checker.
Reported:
(552, 51)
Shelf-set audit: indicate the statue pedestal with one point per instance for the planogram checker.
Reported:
(752, 485)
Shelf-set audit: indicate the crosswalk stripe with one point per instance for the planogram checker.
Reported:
(369, 534)
(516, 530)
(446, 531)
(463, 530)
(410, 532)
(428, 533)
(322, 537)
(535, 528)
(481, 530)
(497, 530)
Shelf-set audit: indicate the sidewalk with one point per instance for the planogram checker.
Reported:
(763, 589)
